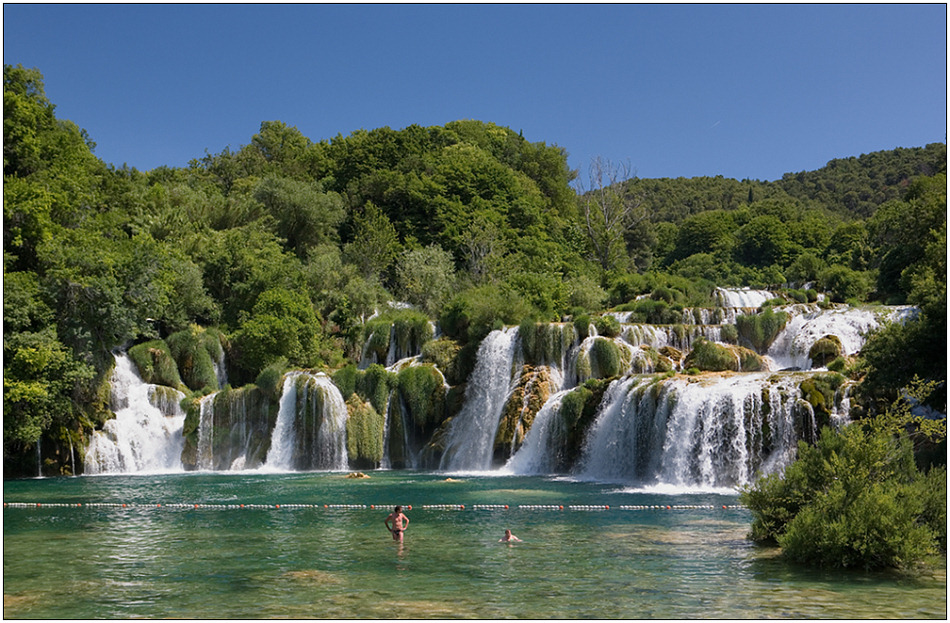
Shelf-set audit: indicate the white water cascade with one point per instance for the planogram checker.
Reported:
(310, 432)
(714, 433)
(145, 435)
(536, 455)
(468, 446)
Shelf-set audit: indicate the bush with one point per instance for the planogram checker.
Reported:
(855, 499)
(710, 356)
(271, 379)
(605, 358)
(423, 392)
(196, 350)
(607, 326)
(155, 363)
(729, 334)
(441, 353)
(760, 330)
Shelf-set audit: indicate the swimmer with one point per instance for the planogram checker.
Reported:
(400, 523)
(509, 537)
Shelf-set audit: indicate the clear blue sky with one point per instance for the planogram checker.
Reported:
(744, 91)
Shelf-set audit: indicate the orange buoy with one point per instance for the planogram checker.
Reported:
(560, 508)
(606, 508)
(506, 507)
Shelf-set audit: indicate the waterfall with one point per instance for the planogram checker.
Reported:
(206, 433)
(809, 323)
(472, 432)
(142, 437)
(742, 297)
(718, 432)
(310, 432)
(281, 445)
(537, 454)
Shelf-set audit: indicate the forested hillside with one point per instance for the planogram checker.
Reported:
(282, 248)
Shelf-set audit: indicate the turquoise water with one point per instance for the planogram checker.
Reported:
(153, 561)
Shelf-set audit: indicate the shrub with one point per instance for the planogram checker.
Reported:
(852, 500)
(423, 392)
(710, 356)
(605, 358)
(441, 353)
(760, 330)
(729, 334)
(364, 433)
(155, 363)
(270, 379)
(825, 350)
(607, 326)
(375, 384)
(345, 380)
(196, 350)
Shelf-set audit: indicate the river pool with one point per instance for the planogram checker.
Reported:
(325, 553)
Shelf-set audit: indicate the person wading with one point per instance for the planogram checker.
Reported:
(399, 523)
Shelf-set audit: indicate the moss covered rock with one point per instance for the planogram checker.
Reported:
(602, 359)
(533, 389)
(709, 356)
(198, 353)
(760, 330)
(422, 392)
(825, 350)
(364, 433)
(155, 364)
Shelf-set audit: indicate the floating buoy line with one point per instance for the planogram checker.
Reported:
(440, 507)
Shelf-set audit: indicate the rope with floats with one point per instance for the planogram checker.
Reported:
(441, 507)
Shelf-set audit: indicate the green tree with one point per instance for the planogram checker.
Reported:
(282, 324)
(424, 277)
(306, 216)
(375, 243)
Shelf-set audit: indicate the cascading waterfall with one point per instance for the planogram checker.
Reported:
(142, 437)
(206, 433)
(708, 430)
(470, 436)
(713, 433)
(310, 432)
(537, 454)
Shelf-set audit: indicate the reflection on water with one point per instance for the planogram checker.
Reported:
(315, 562)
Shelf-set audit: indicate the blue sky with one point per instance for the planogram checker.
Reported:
(743, 91)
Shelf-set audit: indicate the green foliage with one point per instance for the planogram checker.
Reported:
(425, 277)
(606, 360)
(196, 350)
(711, 357)
(852, 500)
(760, 330)
(270, 380)
(607, 326)
(345, 380)
(844, 284)
(825, 350)
(283, 324)
(364, 433)
(441, 353)
(39, 374)
(423, 392)
(374, 384)
(729, 333)
(155, 363)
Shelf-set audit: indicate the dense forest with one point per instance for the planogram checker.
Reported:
(282, 250)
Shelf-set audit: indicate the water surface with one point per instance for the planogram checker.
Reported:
(153, 561)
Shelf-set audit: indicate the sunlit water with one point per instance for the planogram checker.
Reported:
(156, 561)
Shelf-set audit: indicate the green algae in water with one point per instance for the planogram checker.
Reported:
(157, 562)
